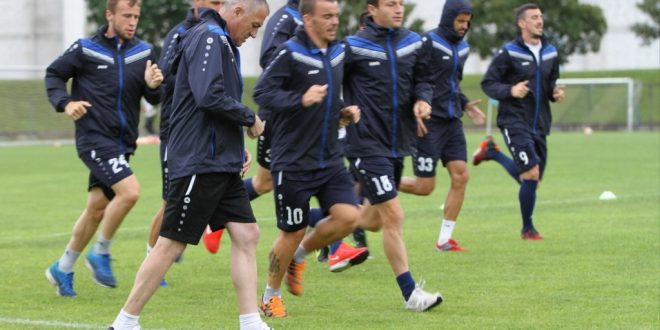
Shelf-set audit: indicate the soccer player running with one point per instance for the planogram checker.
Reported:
(172, 40)
(279, 28)
(301, 87)
(385, 77)
(206, 155)
(111, 71)
(445, 140)
(523, 78)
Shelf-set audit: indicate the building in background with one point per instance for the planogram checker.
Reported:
(34, 32)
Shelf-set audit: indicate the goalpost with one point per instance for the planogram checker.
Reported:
(603, 94)
(629, 82)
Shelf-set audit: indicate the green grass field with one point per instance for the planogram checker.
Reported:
(599, 266)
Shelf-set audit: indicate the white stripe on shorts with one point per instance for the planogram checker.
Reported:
(192, 182)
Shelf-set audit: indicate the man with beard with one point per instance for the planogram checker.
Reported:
(111, 72)
(523, 78)
(447, 52)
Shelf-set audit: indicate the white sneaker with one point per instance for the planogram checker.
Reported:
(421, 301)
(265, 326)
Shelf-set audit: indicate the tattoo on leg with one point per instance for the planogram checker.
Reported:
(274, 263)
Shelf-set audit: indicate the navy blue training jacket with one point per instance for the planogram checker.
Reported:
(512, 64)
(384, 77)
(170, 50)
(281, 27)
(110, 76)
(446, 53)
(302, 138)
(206, 133)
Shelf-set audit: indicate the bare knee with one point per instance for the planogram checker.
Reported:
(531, 174)
(460, 179)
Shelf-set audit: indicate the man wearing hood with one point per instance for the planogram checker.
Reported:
(444, 140)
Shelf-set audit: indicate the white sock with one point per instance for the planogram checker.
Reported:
(250, 321)
(300, 254)
(102, 245)
(270, 293)
(446, 230)
(125, 321)
(67, 260)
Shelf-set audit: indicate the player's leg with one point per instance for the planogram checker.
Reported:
(489, 150)
(522, 144)
(458, 174)
(235, 213)
(147, 281)
(453, 154)
(292, 211)
(60, 273)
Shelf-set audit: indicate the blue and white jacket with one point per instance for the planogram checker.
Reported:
(303, 138)
(384, 77)
(512, 64)
(207, 119)
(281, 27)
(110, 76)
(446, 53)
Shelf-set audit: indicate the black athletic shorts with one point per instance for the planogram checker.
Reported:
(293, 191)
(528, 149)
(195, 201)
(379, 177)
(445, 141)
(105, 171)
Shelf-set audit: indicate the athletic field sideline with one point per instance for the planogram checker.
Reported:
(598, 267)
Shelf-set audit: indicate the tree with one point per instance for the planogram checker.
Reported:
(571, 26)
(157, 17)
(349, 17)
(648, 32)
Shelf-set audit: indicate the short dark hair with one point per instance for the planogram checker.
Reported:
(111, 5)
(307, 6)
(373, 2)
(520, 11)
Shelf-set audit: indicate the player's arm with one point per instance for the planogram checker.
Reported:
(494, 83)
(59, 72)
(207, 82)
(423, 77)
(153, 78)
(271, 91)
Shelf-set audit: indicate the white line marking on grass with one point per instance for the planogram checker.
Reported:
(47, 323)
(15, 321)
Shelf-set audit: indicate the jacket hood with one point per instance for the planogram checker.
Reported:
(449, 13)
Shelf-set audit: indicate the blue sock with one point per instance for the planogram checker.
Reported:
(334, 246)
(252, 194)
(527, 197)
(506, 162)
(315, 215)
(406, 284)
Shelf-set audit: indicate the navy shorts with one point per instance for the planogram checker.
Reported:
(105, 171)
(163, 169)
(445, 141)
(379, 177)
(293, 191)
(263, 148)
(528, 149)
(212, 199)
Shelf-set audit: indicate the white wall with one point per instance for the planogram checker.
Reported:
(34, 32)
(620, 48)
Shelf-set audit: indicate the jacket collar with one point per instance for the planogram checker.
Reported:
(301, 35)
(519, 40)
(378, 30)
(114, 40)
